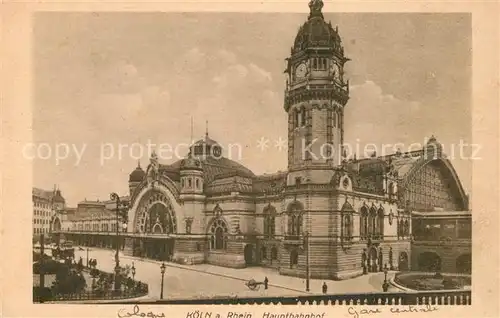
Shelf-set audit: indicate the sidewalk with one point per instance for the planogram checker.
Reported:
(356, 285)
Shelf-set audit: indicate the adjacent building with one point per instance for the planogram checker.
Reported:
(45, 205)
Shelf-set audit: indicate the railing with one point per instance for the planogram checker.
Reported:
(404, 298)
(139, 291)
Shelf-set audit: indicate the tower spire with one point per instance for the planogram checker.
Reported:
(191, 130)
(206, 129)
(315, 6)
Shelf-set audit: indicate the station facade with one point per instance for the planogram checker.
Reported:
(337, 216)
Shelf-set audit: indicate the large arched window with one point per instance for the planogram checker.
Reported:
(372, 222)
(347, 225)
(363, 223)
(295, 218)
(269, 221)
(218, 232)
(380, 223)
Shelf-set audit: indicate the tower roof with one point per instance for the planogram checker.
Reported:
(316, 32)
(137, 175)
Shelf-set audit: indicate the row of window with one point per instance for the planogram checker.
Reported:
(40, 231)
(319, 63)
(371, 225)
(197, 183)
(95, 227)
(42, 213)
(41, 205)
(40, 221)
(300, 118)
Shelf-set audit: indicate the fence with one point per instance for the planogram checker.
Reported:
(404, 298)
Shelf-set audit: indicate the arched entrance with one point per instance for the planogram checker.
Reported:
(464, 263)
(249, 254)
(429, 262)
(403, 261)
(373, 260)
(159, 222)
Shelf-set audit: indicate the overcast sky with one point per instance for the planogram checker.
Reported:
(124, 78)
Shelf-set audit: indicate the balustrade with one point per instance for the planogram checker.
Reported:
(395, 299)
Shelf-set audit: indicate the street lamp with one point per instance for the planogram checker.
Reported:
(385, 285)
(87, 257)
(133, 271)
(306, 246)
(162, 268)
(115, 197)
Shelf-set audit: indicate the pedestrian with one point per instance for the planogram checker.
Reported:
(266, 282)
(325, 288)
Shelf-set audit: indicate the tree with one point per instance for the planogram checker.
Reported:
(68, 281)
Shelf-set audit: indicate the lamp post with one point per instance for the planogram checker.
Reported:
(87, 257)
(115, 197)
(162, 268)
(385, 285)
(306, 246)
(133, 271)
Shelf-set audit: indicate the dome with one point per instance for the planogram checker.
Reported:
(137, 175)
(206, 147)
(58, 198)
(316, 32)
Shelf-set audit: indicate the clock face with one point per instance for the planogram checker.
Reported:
(217, 151)
(301, 70)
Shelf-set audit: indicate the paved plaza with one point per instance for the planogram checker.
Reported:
(204, 280)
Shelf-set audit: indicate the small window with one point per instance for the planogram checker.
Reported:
(303, 117)
(197, 183)
(189, 183)
(182, 183)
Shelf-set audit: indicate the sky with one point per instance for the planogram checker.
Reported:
(106, 81)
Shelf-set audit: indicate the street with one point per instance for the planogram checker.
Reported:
(205, 281)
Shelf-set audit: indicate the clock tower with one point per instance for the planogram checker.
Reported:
(315, 95)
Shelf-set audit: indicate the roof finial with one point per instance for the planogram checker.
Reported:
(191, 141)
(315, 6)
(138, 163)
(206, 129)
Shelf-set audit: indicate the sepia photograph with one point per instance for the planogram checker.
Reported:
(252, 158)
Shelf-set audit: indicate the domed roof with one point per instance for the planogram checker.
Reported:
(137, 175)
(58, 198)
(316, 32)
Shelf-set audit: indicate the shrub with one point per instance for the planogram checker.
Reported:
(49, 267)
(438, 275)
(68, 281)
